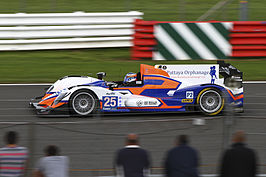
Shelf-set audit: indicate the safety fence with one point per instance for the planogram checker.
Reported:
(198, 40)
(91, 144)
(66, 30)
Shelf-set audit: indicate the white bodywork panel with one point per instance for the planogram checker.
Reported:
(195, 74)
(192, 74)
(141, 101)
(125, 97)
(72, 81)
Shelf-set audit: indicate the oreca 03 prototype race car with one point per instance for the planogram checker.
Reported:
(206, 88)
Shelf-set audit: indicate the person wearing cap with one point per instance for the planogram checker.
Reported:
(132, 160)
(239, 160)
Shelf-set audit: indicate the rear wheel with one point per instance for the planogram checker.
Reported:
(83, 103)
(210, 101)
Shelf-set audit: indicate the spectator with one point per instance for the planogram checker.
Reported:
(12, 157)
(53, 165)
(239, 160)
(132, 161)
(182, 160)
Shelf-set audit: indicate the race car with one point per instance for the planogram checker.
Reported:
(207, 88)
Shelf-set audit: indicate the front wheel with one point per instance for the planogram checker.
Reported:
(83, 103)
(210, 101)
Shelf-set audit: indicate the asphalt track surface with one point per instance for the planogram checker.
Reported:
(92, 142)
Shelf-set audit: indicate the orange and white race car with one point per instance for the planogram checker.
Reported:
(159, 88)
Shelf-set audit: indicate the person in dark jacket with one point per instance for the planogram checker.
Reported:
(239, 160)
(182, 160)
(132, 160)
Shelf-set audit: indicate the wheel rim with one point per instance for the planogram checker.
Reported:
(210, 101)
(83, 103)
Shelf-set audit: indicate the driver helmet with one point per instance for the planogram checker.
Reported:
(130, 77)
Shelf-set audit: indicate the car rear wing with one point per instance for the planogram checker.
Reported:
(229, 71)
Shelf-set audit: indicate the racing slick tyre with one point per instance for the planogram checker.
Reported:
(210, 101)
(83, 103)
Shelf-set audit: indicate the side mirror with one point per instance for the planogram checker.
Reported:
(101, 75)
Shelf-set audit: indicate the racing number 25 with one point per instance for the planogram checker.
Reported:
(110, 101)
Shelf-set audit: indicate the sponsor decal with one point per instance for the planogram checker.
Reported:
(162, 67)
(120, 102)
(192, 73)
(146, 103)
(189, 94)
(225, 69)
(150, 103)
(213, 74)
(139, 103)
(187, 100)
(112, 93)
(236, 103)
(188, 72)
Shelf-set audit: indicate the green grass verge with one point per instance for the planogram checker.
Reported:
(153, 9)
(48, 66)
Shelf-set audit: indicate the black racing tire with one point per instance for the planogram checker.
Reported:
(83, 103)
(210, 101)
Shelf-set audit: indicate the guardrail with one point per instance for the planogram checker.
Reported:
(66, 30)
(247, 39)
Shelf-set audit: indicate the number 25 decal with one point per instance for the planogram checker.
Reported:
(110, 101)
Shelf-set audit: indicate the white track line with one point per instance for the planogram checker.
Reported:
(36, 84)
(203, 175)
(254, 82)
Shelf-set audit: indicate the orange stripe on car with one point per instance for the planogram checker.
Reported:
(150, 70)
(235, 97)
(45, 96)
(48, 101)
(167, 84)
